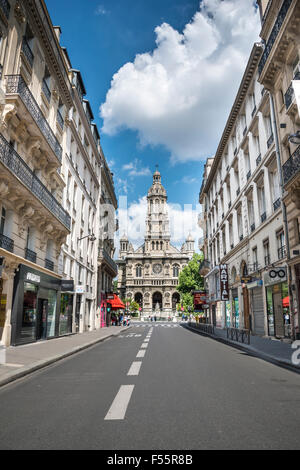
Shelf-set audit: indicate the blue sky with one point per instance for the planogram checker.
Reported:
(170, 63)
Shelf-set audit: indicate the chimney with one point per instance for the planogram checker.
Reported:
(57, 30)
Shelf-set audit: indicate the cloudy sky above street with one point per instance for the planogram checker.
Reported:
(161, 77)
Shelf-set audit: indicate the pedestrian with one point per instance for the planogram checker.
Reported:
(121, 319)
(154, 317)
(125, 320)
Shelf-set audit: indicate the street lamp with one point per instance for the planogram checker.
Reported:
(295, 138)
(91, 237)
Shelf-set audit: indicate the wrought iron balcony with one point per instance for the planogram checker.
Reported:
(270, 141)
(267, 260)
(290, 94)
(258, 160)
(27, 51)
(11, 159)
(277, 204)
(5, 6)
(49, 264)
(30, 255)
(274, 33)
(6, 243)
(46, 90)
(16, 84)
(292, 166)
(105, 255)
(263, 217)
(282, 252)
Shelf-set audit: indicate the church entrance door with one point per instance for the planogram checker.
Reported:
(157, 299)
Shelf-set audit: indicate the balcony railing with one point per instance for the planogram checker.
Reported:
(6, 243)
(11, 159)
(290, 94)
(16, 84)
(30, 255)
(263, 217)
(270, 141)
(267, 260)
(46, 90)
(4, 4)
(282, 252)
(277, 204)
(103, 254)
(27, 52)
(274, 33)
(292, 166)
(49, 264)
(258, 160)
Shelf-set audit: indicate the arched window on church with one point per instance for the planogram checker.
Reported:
(161, 245)
(153, 246)
(175, 270)
(138, 271)
(157, 246)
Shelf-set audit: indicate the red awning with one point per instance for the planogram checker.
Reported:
(116, 303)
(286, 302)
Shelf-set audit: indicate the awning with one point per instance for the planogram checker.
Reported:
(116, 303)
(286, 302)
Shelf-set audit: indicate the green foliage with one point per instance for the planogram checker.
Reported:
(133, 306)
(187, 301)
(189, 278)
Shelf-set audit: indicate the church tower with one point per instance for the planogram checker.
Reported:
(157, 236)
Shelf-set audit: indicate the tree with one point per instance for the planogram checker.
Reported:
(133, 306)
(189, 280)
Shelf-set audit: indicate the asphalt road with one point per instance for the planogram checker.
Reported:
(191, 392)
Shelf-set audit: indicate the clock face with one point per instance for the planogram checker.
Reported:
(157, 268)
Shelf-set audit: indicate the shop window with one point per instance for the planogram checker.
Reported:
(66, 313)
(28, 328)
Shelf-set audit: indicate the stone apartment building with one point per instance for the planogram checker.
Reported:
(278, 68)
(242, 217)
(51, 166)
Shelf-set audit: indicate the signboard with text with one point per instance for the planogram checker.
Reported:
(224, 282)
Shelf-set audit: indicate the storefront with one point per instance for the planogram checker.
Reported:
(257, 322)
(278, 306)
(235, 308)
(36, 306)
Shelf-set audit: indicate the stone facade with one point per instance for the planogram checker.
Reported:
(149, 275)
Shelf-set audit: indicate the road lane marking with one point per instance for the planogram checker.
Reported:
(135, 368)
(145, 345)
(141, 353)
(120, 403)
(146, 340)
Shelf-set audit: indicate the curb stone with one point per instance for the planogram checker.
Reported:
(250, 350)
(38, 365)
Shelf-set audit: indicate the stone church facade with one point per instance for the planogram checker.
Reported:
(149, 275)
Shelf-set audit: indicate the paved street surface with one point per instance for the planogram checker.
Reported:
(156, 386)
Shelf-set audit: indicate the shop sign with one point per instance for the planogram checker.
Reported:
(79, 290)
(110, 296)
(199, 298)
(275, 276)
(67, 285)
(3, 300)
(224, 282)
(33, 277)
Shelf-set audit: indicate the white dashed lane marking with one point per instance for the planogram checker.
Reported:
(141, 353)
(135, 368)
(145, 345)
(120, 403)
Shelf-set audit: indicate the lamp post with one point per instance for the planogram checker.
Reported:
(91, 237)
(294, 138)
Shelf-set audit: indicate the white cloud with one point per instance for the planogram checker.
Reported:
(183, 220)
(134, 169)
(100, 10)
(179, 95)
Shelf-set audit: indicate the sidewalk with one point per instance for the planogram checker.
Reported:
(22, 360)
(272, 350)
